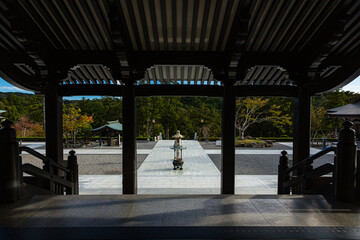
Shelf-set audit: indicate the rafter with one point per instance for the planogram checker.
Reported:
(327, 38)
(239, 33)
(23, 30)
(120, 42)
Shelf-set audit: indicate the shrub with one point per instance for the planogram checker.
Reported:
(248, 141)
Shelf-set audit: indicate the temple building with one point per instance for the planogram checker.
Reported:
(210, 48)
(108, 130)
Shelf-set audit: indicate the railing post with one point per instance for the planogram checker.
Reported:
(9, 164)
(51, 180)
(345, 176)
(282, 178)
(73, 177)
(309, 182)
(358, 177)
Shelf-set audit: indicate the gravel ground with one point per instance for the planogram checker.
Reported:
(93, 164)
(98, 164)
(261, 164)
(276, 146)
(139, 145)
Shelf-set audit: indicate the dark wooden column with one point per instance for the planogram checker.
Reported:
(301, 134)
(129, 139)
(53, 123)
(228, 139)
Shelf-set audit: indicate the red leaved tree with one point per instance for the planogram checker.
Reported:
(27, 128)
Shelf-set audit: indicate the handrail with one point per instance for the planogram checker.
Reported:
(43, 158)
(317, 172)
(35, 171)
(310, 159)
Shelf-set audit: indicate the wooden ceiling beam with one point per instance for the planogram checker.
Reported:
(140, 4)
(164, 25)
(214, 24)
(144, 60)
(265, 90)
(325, 39)
(121, 42)
(179, 90)
(23, 27)
(184, 24)
(88, 74)
(174, 24)
(194, 25)
(154, 24)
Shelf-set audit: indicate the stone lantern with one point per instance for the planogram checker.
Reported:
(178, 147)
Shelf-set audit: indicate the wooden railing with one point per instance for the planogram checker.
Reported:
(51, 180)
(346, 170)
(305, 181)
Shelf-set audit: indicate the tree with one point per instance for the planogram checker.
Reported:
(170, 114)
(147, 110)
(318, 120)
(27, 128)
(74, 122)
(253, 110)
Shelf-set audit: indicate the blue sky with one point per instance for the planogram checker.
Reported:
(7, 87)
(354, 86)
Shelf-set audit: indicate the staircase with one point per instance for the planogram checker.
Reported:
(303, 179)
(54, 178)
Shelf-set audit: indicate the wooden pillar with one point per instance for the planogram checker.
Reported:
(53, 123)
(129, 139)
(9, 164)
(301, 134)
(228, 140)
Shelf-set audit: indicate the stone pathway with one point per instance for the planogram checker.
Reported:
(196, 161)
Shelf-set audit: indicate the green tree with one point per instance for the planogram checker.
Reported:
(74, 122)
(318, 121)
(253, 110)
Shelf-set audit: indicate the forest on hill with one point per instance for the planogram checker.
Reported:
(202, 115)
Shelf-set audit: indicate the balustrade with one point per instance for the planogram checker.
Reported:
(12, 169)
(346, 173)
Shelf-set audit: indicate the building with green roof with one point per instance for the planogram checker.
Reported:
(110, 129)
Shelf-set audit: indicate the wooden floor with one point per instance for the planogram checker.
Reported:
(179, 216)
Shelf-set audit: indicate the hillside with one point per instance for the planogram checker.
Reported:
(19, 94)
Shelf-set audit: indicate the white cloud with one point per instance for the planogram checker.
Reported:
(11, 89)
(353, 86)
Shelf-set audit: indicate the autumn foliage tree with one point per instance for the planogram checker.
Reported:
(74, 122)
(27, 128)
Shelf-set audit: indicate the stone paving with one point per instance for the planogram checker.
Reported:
(179, 216)
(112, 184)
(196, 161)
(199, 176)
